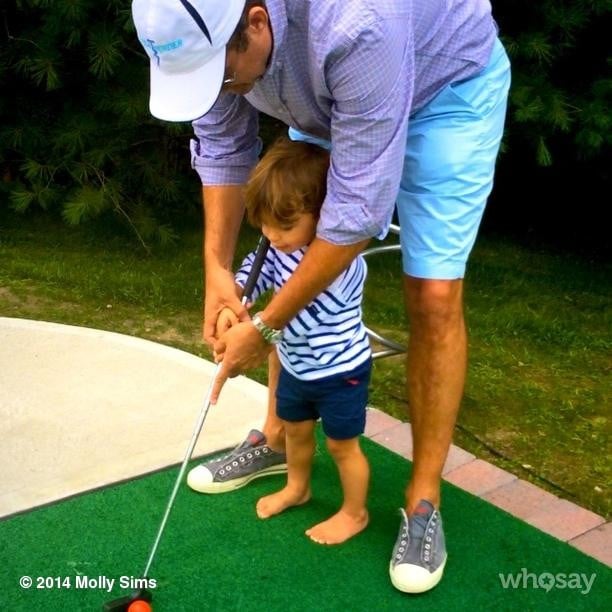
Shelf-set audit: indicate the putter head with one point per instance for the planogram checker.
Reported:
(121, 604)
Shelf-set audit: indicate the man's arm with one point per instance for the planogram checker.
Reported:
(223, 212)
(321, 265)
(223, 152)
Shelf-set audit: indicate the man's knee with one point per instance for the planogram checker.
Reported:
(433, 301)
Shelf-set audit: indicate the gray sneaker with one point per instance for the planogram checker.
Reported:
(249, 460)
(419, 554)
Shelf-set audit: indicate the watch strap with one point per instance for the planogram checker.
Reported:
(270, 335)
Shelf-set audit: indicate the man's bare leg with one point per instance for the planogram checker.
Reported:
(436, 368)
(300, 451)
(352, 517)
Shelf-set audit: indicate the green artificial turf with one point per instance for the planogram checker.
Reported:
(216, 555)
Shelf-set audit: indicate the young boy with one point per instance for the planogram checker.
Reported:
(324, 351)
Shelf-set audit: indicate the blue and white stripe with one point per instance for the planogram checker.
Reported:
(328, 336)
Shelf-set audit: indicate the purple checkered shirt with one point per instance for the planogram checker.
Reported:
(349, 71)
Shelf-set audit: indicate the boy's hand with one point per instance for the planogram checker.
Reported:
(227, 318)
(221, 292)
(219, 296)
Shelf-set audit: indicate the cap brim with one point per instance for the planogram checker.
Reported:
(187, 96)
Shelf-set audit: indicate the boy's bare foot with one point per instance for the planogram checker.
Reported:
(281, 500)
(338, 528)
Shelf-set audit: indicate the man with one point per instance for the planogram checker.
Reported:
(412, 95)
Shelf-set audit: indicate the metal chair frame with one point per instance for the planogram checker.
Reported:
(392, 347)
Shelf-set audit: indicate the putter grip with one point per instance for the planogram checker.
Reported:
(260, 255)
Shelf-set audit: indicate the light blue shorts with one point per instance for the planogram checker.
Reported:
(449, 164)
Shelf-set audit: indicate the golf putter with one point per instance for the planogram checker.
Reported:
(123, 603)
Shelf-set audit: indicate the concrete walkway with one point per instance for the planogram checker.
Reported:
(84, 408)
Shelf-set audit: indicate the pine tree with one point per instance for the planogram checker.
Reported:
(76, 136)
(561, 86)
(77, 139)
(556, 147)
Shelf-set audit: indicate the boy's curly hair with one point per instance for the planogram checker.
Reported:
(289, 180)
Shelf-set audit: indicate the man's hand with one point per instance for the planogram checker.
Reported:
(240, 348)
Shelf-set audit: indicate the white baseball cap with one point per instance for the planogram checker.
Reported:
(185, 40)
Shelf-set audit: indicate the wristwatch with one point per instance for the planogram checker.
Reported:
(270, 335)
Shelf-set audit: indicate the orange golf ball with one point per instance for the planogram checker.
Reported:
(139, 605)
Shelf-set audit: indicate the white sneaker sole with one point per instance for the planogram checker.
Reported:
(197, 480)
(409, 578)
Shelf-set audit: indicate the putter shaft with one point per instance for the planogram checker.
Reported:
(179, 478)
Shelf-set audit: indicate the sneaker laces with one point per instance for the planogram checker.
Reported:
(419, 519)
(421, 543)
(255, 438)
(414, 528)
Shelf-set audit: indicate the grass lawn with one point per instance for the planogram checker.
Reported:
(537, 399)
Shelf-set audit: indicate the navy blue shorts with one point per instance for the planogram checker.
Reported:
(339, 400)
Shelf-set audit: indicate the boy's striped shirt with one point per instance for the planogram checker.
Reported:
(328, 336)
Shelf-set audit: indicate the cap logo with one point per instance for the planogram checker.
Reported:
(197, 18)
(157, 50)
